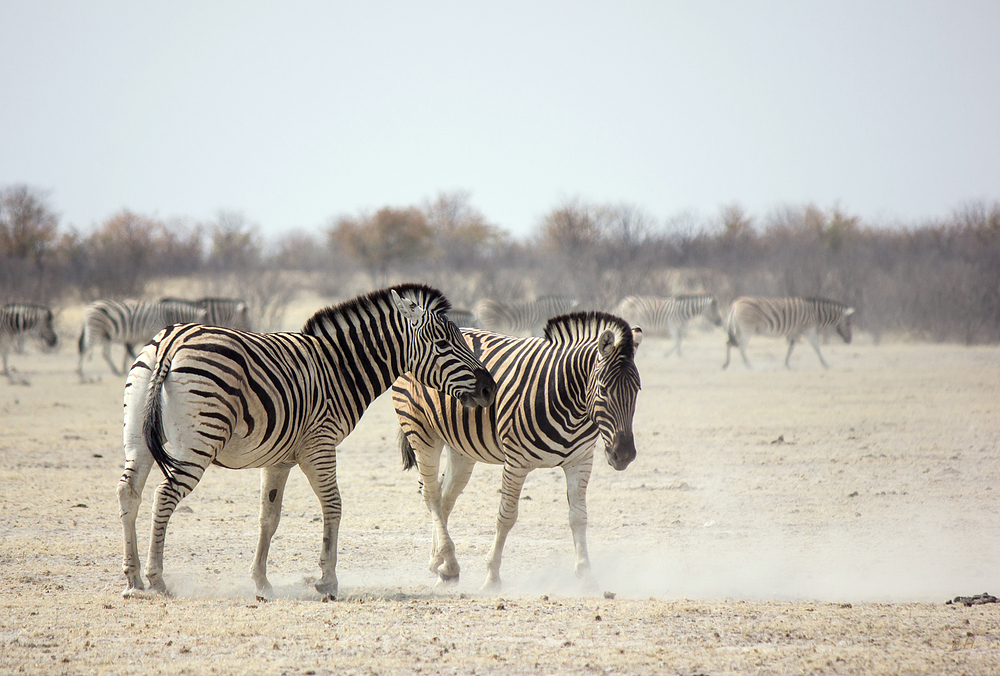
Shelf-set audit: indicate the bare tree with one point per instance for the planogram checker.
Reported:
(28, 228)
(389, 238)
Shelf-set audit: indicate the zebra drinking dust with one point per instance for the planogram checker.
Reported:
(276, 400)
(789, 317)
(130, 323)
(19, 321)
(668, 316)
(555, 396)
(523, 318)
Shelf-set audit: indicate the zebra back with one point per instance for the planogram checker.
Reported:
(134, 322)
(788, 317)
(667, 315)
(524, 317)
(233, 313)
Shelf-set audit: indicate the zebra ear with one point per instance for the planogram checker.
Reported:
(606, 344)
(636, 338)
(848, 312)
(409, 309)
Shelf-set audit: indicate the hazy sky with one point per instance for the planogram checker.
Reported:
(295, 112)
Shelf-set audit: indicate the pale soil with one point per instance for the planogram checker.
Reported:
(774, 522)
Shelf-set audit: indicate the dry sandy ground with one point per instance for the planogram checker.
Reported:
(774, 522)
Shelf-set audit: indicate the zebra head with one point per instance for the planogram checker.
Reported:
(711, 311)
(844, 325)
(612, 390)
(46, 332)
(437, 354)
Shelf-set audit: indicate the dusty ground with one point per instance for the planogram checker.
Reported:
(774, 522)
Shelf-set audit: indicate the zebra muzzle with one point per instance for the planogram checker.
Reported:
(484, 393)
(621, 451)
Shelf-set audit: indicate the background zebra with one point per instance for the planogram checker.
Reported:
(463, 318)
(276, 400)
(668, 316)
(233, 313)
(19, 321)
(522, 318)
(130, 323)
(789, 317)
(555, 396)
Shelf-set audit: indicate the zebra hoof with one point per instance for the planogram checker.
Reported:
(445, 580)
(327, 598)
(262, 599)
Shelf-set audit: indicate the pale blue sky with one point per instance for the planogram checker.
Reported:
(295, 112)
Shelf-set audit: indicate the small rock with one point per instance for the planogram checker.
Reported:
(609, 595)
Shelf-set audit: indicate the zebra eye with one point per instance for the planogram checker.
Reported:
(442, 344)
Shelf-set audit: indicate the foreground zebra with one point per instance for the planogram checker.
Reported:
(668, 316)
(130, 323)
(555, 396)
(19, 321)
(789, 317)
(521, 318)
(232, 313)
(273, 401)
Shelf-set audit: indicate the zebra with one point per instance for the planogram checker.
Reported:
(233, 313)
(129, 322)
(463, 318)
(272, 401)
(22, 320)
(668, 315)
(523, 317)
(789, 317)
(555, 397)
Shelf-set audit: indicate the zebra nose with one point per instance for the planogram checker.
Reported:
(486, 388)
(621, 451)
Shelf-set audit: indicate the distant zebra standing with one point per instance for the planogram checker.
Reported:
(232, 313)
(555, 396)
(130, 323)
(276, 400)
(19, 321)
(668, 316)
(463, 318)
(522, 318)
(789, 317)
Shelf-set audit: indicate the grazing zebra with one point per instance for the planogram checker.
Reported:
(129, 322)
(555, 396)
(789, 317)
(668, 315)
(232, 313)
(521, 318)
(19, 321)
(238, 399)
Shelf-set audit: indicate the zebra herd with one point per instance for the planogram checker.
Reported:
(206, 390)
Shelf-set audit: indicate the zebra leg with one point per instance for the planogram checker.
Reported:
(510, 494)
(128, 357)
(320, 467)
(272, 490)
(106, 352)
(138, 462)
(814, 341)
(165, 500)
(577, 478)
(791, 346)
(444, 560)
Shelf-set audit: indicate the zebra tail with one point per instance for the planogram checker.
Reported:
(152, 424)
(731, 329)
(406, 450)
(80, 344)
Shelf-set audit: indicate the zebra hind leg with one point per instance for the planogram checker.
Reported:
(814, 341)
(443, 562)
(272, 490)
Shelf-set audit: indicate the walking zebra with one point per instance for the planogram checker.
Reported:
(130, 323)
(521, 318)
(668, 315)
(463, 318)
(555, 396)
(276, 400)
(232, 313)
(19, 321)
(789, 317)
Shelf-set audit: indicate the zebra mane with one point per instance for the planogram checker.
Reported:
(585, 327)
(427, 297)
(826, 301)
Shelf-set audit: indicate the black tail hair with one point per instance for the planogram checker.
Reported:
(406, 450)
(152, 425)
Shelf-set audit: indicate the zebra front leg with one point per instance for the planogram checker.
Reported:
(106, 353)
(813, 339)
(320, 467)
(577, 478)
(272, 490)
(444, 559)
(510, 495)
(791, 346)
